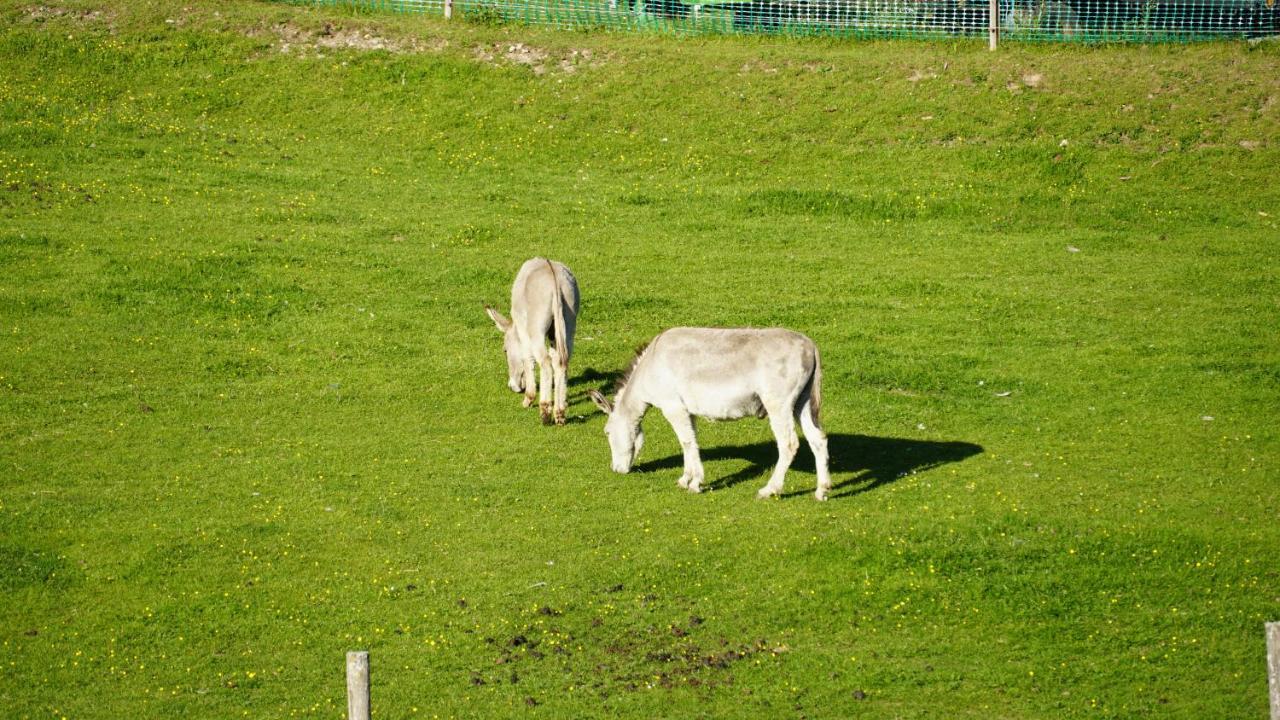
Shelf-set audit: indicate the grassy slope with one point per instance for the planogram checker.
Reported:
(251, 415)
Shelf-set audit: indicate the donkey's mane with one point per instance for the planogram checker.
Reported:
(631, 368)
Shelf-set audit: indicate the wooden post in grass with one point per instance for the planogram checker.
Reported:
(358, 685)
(448, 9)
(1273, 667)
(993, 24)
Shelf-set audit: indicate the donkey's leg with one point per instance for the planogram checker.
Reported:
(530, 382)
(560, 386)
(817, 440)
(544, 383)
(784, 431)
(682, 423)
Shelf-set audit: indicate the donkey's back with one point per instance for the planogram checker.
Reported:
(542, 290)
(729, 373)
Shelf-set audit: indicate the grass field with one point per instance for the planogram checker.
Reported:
(252, 415)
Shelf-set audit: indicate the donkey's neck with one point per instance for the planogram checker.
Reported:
(633, 399)
(630, 402)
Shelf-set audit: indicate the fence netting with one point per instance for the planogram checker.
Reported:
(1057, 20)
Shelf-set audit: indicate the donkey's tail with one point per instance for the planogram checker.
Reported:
(557, 318)
(815, 389)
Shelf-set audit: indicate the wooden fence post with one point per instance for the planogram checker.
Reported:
(448, 9)
(1273, 667)
(993, 24)
(358, 685)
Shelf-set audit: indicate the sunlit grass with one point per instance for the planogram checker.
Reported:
(252, 415)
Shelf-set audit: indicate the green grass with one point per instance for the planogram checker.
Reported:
(252, 415)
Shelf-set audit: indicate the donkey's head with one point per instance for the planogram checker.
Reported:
(626, 437)
(511, 346)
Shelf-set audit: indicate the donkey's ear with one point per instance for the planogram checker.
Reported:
(497, 318)
(600, 401)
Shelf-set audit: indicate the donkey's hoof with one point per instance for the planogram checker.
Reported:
(560, 417)
(821, 495)
(694, 487)
(527, 401)
(765, 493)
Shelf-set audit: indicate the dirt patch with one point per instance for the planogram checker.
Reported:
(1026, 81)
(579, 58)
(693, 665)
(539, 60)
(521, 54)
(757, 66)
(656, 657)
(599, 655)
(43, 13)
(290, 38)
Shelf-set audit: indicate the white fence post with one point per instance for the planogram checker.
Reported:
(358, 685)
(993, 24)
(1273, 667)
(448, 9)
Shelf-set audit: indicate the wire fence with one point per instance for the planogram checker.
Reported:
(1033, 20)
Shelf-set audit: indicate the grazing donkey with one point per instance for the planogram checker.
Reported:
(721, 374)
(544, 308)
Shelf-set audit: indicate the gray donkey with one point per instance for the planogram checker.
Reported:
(722, 374)
(544, 309)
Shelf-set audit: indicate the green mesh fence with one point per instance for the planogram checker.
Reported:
(1058, 20)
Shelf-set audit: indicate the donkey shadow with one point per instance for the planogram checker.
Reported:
(605, 380)
(868, 462)
(589, 378)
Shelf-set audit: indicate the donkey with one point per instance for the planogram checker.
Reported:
(544, 309)
(721, 374)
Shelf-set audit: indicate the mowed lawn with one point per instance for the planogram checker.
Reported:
(252, 415)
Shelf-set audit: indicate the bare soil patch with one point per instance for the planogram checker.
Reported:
(539, 60)
(291, 38)
(43, 13)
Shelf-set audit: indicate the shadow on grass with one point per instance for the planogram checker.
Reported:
(578, 387)
(607, 381)
(873, 461)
